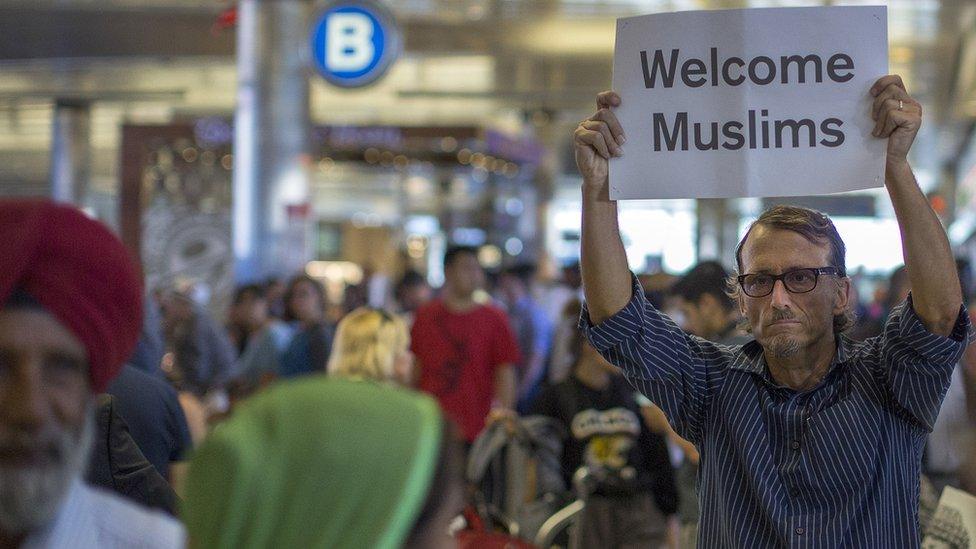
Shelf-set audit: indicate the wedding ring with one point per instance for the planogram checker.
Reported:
(901, 104)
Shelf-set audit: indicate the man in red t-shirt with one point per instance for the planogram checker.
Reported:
(465, 350)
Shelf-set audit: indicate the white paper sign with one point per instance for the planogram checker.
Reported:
(755, 102)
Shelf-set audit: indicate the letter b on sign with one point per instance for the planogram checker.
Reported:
(349, 45)
(354, 42)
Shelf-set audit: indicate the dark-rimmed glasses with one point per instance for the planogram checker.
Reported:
(796, 281)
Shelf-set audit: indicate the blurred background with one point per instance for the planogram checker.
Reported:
(205, 133)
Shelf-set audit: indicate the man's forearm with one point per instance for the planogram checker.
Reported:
(603, 261)
(505, 386)
(936, 294)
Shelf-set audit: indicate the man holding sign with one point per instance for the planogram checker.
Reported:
(807, 439)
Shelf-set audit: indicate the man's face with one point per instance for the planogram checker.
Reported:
(176, 307)
(465, 275)
(253, 311)
(692, 318)
(783, 322)
(45, 420)
(305, 302)
(413, 297)
(704, 318)
(510, 288)
(275, 290)
(572, 277)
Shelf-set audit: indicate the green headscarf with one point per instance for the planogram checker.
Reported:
(321, 462)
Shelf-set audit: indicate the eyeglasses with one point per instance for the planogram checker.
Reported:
(796, 281)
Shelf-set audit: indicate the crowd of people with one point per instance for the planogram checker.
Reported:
(706, 409)
(485, 347)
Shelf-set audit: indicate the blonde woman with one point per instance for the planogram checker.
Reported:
(372, 344)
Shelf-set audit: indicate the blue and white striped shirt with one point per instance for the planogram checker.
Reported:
(834, 466)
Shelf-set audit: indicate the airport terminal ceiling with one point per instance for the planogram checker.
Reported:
(465, 61)
(502, 64)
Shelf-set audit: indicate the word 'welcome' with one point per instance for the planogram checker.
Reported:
(734, 71)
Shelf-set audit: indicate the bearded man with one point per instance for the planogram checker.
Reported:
(70, 315)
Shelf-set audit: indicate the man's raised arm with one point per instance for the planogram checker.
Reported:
(603, 261)
(936, 295)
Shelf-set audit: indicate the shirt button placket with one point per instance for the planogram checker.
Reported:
(800, 530)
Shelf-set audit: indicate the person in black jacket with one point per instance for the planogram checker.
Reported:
(117, 464)
(151, 408)
(631, 488)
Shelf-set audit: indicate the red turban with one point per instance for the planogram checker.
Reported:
(79, 272)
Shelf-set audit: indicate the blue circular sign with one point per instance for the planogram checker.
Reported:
(354, 42)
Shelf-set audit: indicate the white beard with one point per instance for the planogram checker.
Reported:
(31, 496)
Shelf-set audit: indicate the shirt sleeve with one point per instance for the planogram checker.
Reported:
(916, 365)
(664, 363)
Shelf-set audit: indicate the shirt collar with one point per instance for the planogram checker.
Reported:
(750, 358)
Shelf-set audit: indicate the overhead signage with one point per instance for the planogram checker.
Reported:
(756, 102)
(354, 42)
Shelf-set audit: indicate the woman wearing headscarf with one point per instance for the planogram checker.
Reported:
(327, 462)
(372, 344)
